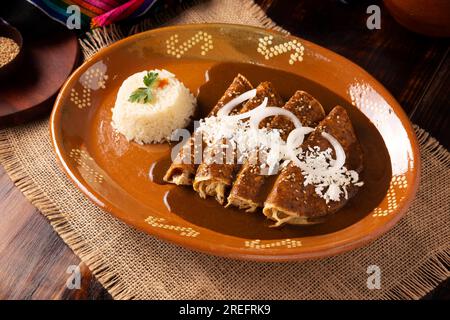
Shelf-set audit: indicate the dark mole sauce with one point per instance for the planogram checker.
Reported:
(185, 202)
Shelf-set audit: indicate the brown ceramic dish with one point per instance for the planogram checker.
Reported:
(431, 18)
(124, 178)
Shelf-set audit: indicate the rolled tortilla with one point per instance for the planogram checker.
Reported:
(293, 203)
(248, 188)
(213, 179)
(183, 168)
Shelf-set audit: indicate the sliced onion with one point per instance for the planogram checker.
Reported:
(226, 109)
(258, 116)
(338, 150)
(250, 113)
(295, 139)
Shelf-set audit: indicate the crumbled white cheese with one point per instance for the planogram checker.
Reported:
(329, 183)
(266, 146)
(249, 143)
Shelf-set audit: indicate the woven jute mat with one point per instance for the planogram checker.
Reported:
(413, 257)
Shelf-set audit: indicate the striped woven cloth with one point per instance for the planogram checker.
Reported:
(99, 13)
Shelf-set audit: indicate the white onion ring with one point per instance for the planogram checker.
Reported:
(258, 116)
(295, 139)
(250, 113)
(338, 150)
(227, 107)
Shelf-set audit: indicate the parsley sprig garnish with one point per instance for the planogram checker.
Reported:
(145, 94)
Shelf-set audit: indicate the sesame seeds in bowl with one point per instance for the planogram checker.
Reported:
(11, 43)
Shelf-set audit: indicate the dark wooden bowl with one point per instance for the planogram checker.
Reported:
(8, 31)
(29, 86)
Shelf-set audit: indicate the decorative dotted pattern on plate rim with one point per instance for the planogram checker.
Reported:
(180, 50)
(94, 78)
(82, 158)
(393, 199)
(268, 51)
(366, 99)
(83, 101)
(160, 223)
(285, 243)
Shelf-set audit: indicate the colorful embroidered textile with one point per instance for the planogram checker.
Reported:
(99, 13)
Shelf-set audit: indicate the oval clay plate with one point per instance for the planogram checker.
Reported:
(123, 177)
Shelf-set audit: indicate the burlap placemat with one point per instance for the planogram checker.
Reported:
(414, 256)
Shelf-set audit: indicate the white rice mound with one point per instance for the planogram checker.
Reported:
(170, 109)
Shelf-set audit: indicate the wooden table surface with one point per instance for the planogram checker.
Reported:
(415, 68)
